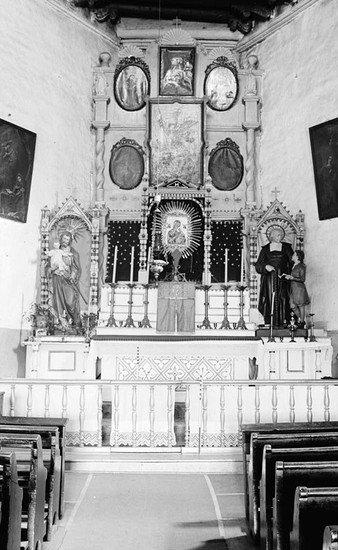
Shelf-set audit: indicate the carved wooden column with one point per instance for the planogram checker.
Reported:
(100, 123)
(251, 123)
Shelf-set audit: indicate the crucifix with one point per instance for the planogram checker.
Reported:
(275, 191)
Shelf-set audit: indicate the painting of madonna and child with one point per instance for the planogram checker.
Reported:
(177, 71)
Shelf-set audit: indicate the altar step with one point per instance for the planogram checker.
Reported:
(159, 460)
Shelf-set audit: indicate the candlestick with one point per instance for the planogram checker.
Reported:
(132, 265)
(242, 267)
(114, 265)
(148, 263)
(226, 266)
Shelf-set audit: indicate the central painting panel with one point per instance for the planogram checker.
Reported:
(176, 141)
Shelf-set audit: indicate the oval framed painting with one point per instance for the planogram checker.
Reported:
(126, 166)
(226, 166)
(131, 83)
(221, 84)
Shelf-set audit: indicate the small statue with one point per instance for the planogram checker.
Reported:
(251, 84)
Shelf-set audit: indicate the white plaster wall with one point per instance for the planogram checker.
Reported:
(299, 91)
(46, 86)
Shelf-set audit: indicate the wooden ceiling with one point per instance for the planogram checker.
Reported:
(236, 14)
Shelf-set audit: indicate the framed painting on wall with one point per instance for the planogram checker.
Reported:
(221, 84)
(176, 141)
(17, 147)
(177, 68)
(131, 83)
(226, 165)
(324, 146)
(126, 165)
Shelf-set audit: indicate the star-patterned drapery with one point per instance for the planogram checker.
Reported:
(226, 235)
(124, 235)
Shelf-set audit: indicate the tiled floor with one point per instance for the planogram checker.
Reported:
(146, 511)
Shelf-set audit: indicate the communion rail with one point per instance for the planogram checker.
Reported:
(143, 412)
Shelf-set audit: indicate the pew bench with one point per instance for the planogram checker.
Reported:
(267, 484)
(289, 476)
(314, 508)
(61, 424)
(32, 476)
(11, 502)
(258, 441)
(278, 428)
(52, 461)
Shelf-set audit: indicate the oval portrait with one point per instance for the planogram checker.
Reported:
(226, 166)
(126, 166)
(131, 87)
(221, 87)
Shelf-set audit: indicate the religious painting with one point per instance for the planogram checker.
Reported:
(131, 83)
(177, 67)
(126, 165)
(17, 147)
(176, 141)
(221, 84)
(324, 146)
(226, 165)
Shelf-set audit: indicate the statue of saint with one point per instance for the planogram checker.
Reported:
(65, 271)
(275, 260)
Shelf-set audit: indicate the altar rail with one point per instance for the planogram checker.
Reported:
(143, 412)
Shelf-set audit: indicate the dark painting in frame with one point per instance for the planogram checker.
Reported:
(126, 165)
(131, 83)
(17, 148)
(226, 167)
(324, 147)
(177, 71)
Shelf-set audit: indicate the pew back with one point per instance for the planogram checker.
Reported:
(289, 476)
(11, 503)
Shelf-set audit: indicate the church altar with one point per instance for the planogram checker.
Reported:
(150, 296)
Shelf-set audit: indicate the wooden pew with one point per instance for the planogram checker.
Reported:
(330, 537)
(32, 476)
(52, 461)
(278, 428)
(289, 476)
(314, 508)
(11, 503)
(267, 483)
(258, 441)
(61, 424)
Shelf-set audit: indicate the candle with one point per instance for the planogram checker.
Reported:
(272, 302)
(114, 265)
(242, 267)
(148, 263)
(226, 266)
(132, 265)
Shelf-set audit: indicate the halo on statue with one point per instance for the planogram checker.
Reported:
(275, 227)
(75, 226)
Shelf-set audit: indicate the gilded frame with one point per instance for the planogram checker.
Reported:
(177, 71)
(226, 166)
(221, 84)
(126, 165)
(176, 141)
(131, 83)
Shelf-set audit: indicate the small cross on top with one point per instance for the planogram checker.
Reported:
(275, 191)
(177, 22)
